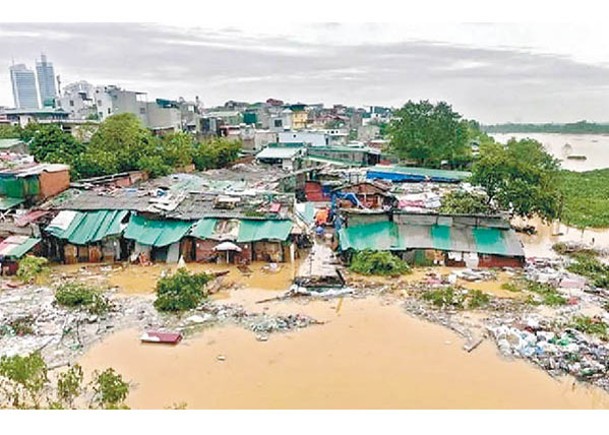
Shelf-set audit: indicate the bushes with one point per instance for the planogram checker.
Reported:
(181, 291)
(461, 202)
(32, 268)
(548, 294)
(74, 295)
(378, 263)
(451, 298)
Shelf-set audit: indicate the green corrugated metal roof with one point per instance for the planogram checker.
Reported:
(254, 230)
(7, 203)
(204, 228)
(156, 232)
(24, 248)
(91, 226)
(489, 241)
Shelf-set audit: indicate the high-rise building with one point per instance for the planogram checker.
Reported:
(24, 87)
(46, 81)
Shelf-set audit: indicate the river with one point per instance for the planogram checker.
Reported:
(594, 146)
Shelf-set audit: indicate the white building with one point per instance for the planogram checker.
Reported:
(313, 138)
(25, 92)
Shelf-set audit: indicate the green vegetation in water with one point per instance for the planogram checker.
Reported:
(451, 298)
(589, 266)
(25, 384)
(382, 263)
(546, 294)
(511, 287)
(585, 198)
(77, 295)
(580, 127)
(590, 325)
(32, 269)
(181, 291)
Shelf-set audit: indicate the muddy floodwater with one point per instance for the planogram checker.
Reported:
(368, 354)
(595, 147)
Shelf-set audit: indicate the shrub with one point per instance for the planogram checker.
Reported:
(446, 297)
(370, 262)
(32, 268)
(110, 390)
(477, 299)
(77, 295)
(510, 286)
(28, 375)
(181, 291)
(549, 295)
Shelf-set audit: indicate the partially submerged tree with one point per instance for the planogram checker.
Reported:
(429, 134)
(521, 177)
(370, 262)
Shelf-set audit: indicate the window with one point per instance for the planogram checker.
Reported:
(278, 123)
(109, 111)
(71, 103)
(99, 103)
(142, 110)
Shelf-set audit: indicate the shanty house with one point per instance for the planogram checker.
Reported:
(471, 241)
(12, 249)
(366, 194)
(87, 236)
(289, 156)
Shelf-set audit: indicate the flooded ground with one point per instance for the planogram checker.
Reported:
(369, 354)
(594, 146)
(540, 244)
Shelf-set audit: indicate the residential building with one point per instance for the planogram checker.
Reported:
(299, 116)
(78, 99)
(46, 82)
(25, 92)
(313, 138)
(24, 116)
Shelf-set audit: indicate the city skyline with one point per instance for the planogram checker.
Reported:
(489, 72)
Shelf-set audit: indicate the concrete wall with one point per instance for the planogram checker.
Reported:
(313, 138)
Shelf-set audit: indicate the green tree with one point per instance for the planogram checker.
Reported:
(49, 143)
(461, 202)
(69, 387)
(177, 149)
(521, 177)
(118, 146)
(216, 153)
(429, 134)
(10, 131)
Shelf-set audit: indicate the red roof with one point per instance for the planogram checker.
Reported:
(29, 217)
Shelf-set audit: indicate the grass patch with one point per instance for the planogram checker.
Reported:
(77, 295)
(546, 295)
(586, 198)
(382, 263)
(590, 325)
(511, 287)
(589, 266)
(477, 299)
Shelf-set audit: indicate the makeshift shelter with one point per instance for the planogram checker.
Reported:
(157, 239)
(418, 238)
(89, 236)
(14, 248)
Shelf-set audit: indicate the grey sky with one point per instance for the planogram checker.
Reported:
(489, 72)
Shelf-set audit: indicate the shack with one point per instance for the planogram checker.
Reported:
(12, 249)
(87, 236)
(425, 239)
(368, 195)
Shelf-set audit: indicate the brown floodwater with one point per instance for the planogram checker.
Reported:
(368, 355)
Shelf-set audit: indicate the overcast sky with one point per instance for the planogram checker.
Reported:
(489, 72)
